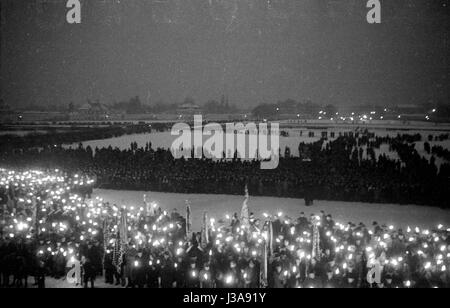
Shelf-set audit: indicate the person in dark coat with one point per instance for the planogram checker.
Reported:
(8, 268)
(138, 271)
(59, 265)
(179, 273)
(235, 223)
(278, 281)
(192, 278)
(331, 281)
(251, 275)
(89, 273)
(40, 274)
(20, 272)
(206, 277)
(109, 268)
(167, 272)
(96, 256)
(302, 224)
(152, 275)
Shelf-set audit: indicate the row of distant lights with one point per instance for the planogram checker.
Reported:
(364, 117)
(352, 118)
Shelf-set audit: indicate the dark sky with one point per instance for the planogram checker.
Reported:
(253, 50)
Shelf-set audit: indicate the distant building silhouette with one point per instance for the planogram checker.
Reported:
(189, 109)
(93, 111)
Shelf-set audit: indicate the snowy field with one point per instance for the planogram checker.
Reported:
(296, 136)
(165, 139)
(218, 206)
(52, 283)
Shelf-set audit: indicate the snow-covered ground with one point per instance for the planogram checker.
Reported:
(52, 283)
(218, 206)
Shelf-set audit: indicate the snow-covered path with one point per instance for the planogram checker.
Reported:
(219, 205)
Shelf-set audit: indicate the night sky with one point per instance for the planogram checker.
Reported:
(254, 51)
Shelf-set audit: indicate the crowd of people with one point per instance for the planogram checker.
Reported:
(346, 168)
(50, 135)
(440, 151)
(50, 226)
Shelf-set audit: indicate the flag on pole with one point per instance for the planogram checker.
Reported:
(34, 218)
(123, 228)
(121, 242)
(205, 229)
(188, 219)
(118, 253)
(316, 243)
(245, 216)
(265, 262)
(108, 236)
(270, 238)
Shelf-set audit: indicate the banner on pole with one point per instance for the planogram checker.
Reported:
(245, 216)
(188, 219)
